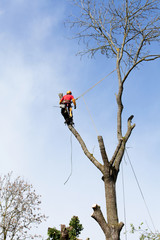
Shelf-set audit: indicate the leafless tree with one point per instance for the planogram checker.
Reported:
(124, 30)
(19, 208)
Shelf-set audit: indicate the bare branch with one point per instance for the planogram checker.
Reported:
(121, 147)
(124, 32)
(146, 58)
(116, 151)
(85, 150)
(120, 109)
(130, 128)
(103, 151)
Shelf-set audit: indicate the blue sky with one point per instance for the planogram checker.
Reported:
(37, 61)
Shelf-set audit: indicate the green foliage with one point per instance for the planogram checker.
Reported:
(145, 234)
(54, 234)
(75, 228)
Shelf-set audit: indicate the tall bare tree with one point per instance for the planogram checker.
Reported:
(20, 209)
(124, 30)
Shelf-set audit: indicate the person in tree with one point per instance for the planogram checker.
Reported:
(66, 107)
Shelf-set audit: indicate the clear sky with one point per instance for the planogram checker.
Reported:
(38, 61)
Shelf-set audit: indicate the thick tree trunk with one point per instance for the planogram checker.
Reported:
(111, 206)
(110, 194)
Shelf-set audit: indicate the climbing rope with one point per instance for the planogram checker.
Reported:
(140, 190)
(95, 84)
(71, 161)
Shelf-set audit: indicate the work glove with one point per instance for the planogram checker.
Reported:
(74, 106)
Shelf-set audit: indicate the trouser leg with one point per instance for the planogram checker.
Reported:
(64, 113)
(67, 114)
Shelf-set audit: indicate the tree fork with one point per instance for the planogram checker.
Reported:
(98, 216)
(112, 228)
(112, 232)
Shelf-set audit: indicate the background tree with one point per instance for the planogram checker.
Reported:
(125, 31)
(71, 232)
(20, 208)
(145, 234)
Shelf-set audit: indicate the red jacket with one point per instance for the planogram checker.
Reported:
(66, 99)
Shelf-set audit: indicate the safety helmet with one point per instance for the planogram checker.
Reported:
(69, 92)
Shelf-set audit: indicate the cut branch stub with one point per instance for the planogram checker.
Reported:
(122, 144)
(130, 118)
(130, 121)
(64, 232)
(130, 128)
(98, 216)
(111, 231)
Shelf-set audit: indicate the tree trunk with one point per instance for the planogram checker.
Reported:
(112, 217)
(111, 205)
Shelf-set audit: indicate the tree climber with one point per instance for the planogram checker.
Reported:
(66, 107)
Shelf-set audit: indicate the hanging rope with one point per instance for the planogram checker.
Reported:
(71, 161)
(124, 203)
(95, 85)
(90, 116)
(140, 190)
